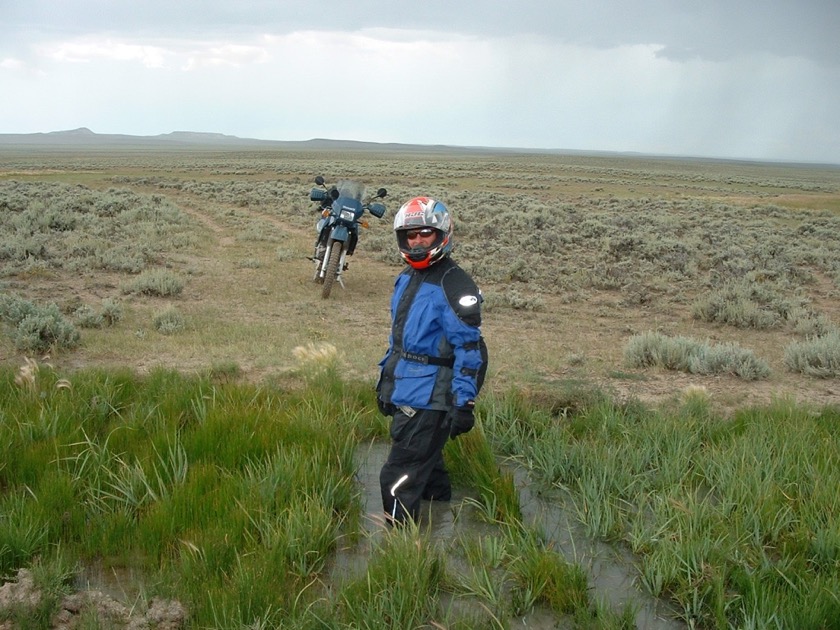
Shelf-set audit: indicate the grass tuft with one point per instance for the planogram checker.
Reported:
(687, 355)
(818, 356)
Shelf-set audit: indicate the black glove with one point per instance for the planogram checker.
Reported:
(386, 409)
(463, 419)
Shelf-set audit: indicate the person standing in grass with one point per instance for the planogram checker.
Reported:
(435, 363)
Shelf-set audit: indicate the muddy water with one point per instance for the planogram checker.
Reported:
(122, 584)
(612, 573)
(442, 522)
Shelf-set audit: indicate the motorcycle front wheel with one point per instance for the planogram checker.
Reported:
(336, 247)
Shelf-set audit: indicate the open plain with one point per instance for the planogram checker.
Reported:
(575, 255)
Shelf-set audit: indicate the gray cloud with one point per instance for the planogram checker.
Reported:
(711, 29)
(715, 78)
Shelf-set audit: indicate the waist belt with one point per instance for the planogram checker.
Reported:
(426, 359)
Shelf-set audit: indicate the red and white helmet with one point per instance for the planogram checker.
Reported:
(418, 213)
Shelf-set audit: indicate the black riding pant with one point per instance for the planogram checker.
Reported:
(416, 451)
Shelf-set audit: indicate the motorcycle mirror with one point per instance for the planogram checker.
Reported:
(381, 192)
(319, 180)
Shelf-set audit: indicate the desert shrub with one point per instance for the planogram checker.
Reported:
(835, 275)
(729, 262)
(512, 298)
(86, 317)
(283, 254)
(810, 324)
(249, 263)
(727, 358)
(623, 244)
(655, 250)
(653, 349)
(45, 330)
(121, 258)
(74, 228)
(817, 356)
(687, 355)
(159, 282)
(37, 328)
(14, 309)
(382, 246)
(746, 304)
(169, 321)
(110, 313)
(610, 276)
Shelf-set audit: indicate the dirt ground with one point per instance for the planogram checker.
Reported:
(254, 315)
(76, 608)
(564, 343)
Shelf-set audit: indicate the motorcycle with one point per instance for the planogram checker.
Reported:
(341, 207)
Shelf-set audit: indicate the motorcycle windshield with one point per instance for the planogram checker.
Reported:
(350, 188)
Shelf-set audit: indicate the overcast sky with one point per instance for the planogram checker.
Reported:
(755, 79)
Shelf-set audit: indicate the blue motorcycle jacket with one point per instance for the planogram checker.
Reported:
(436, 356)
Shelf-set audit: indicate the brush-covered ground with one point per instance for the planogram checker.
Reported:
(575, 255)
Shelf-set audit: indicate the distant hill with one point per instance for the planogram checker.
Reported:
(85, 138)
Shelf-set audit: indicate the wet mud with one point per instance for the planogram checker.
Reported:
(612, 572)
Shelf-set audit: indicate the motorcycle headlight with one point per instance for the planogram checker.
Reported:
(348, 215)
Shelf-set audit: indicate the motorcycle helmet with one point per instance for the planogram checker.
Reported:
(419, 213)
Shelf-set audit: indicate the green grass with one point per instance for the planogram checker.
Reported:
(220, 492)
(734, 519)
(233, 499)
(178, 475)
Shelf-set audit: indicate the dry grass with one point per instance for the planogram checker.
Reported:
(248, 299)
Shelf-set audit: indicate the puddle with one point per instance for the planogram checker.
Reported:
(439, 518)
(123, 584)
(612, 573)
(442, 521)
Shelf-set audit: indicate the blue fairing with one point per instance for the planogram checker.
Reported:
(339, 233)
(348, 203)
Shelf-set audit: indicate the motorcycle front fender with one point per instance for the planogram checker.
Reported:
(340, 233)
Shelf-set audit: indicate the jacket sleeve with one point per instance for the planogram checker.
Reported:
(463, 331)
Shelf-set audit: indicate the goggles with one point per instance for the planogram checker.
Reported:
(422, 232)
